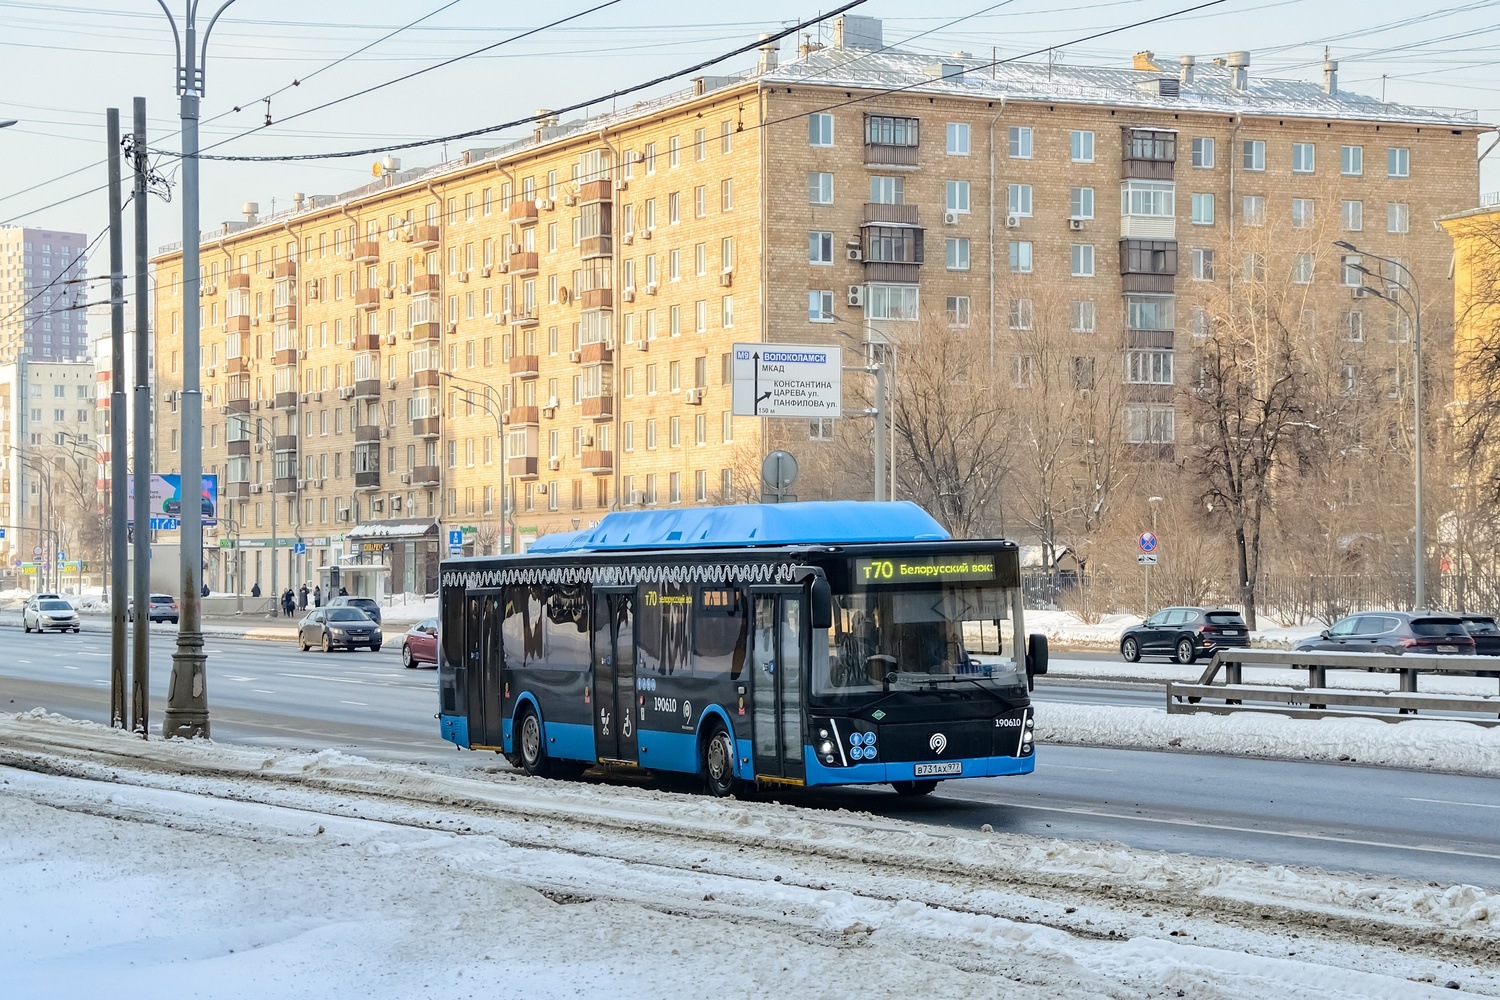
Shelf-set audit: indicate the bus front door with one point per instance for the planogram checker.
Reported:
(779, 655)
(481, 645)
(614, 676)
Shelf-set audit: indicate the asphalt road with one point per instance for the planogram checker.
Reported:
(1436, 827)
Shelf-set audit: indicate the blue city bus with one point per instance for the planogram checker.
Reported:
(801, 644)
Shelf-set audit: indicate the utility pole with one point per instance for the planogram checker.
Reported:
(187, 694)
(140, 681)
(117, 652)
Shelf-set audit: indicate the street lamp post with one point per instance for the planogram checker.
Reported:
(1414, 316)
(505, 520)
(187, 694)
(881, 412)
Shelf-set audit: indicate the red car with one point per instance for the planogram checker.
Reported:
(419, 645)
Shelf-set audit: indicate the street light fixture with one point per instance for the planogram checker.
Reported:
(500, 421)
(884, 422)
(1414, 316)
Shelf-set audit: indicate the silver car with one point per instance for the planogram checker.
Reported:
(49, 613)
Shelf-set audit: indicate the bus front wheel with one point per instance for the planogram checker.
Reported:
(529, 745)
(718, 763)
(913, 787)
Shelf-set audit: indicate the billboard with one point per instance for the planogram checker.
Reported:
(166, 501)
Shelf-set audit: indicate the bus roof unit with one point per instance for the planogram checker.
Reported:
(835, 522)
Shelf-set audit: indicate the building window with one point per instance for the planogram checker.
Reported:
(1150, 199)
(820, 429)
(819, 188)
(1353, 215)
(1023, 371)
(1083, 260)
(1348, 276)
(1020, 142)
(1253, 209)
(1082, 146)
(1353, 325)
(958, 139)
(891, 302)
(957, 253)
(1302, 213)
(958, 310)
(1148, 367)
(1203, 153)
(893, 245)
(820, 306)
(1150, 312)
(1253, 154)
(887, 190)
(887, 130)
(1020, 314)
(1352, 161)
(1203, 265)
(1203, 209)
(1018, 199)
(958, 196)
(1150, 424)
(820, 248)
(1397, 218)
(1081, 203)
(820, 129)
(1302, 268)
(1304, 157)
(1148, 257)
(1255, 267)
(1020, 257)
(1151, 144)
(726, 195)
(1398, 162)
(1082, 316)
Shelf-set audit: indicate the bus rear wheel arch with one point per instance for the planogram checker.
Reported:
(717, 753)
(531, 751)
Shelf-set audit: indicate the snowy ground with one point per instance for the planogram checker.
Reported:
(135, 869)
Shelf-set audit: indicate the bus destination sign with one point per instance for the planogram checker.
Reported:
(924, 569)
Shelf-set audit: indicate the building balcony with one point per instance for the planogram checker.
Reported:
(238, 280)
(367, 342)
(285, 401)
(522, 466)
(524, 366)
(426, 378)
(524, 265)
(285, 356)
(598, 353)
(237, 324)
(367, 388)
(367, 298)
(367, 480)
(893, 271)
(598, 298)
(237, 366)
(367, 252)
(235, 491)
(522, 212)
(900, 215)
(367, 434)
(285, 443)
(430, 330)
(237, 406)
(592, 191)
(426, 237)
(427, 284)
(598, 407)
(426, 427)
(424, 475)
(523, 416)
(591, 247)
(1148, 227)
(286, 313)
(285, 487)
(524, 319)
(891, 156)
(597, 462)
(238, 449)
(284, 270)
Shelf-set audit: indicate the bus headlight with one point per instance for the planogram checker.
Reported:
(825, 748)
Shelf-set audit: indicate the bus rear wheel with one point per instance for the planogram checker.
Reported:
(718, 763)
(529, 745)
(913, 788)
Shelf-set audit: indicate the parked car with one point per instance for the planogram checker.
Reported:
(1394, 632)
(53, 613)
(34, 599)
(332, 628)
(1185, 634)
(368, 605)
(159, 608)
(1485, 630)
(419, 645)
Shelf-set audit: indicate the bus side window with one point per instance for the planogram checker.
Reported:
(719, 632)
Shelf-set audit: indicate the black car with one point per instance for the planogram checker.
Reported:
(1485, 631)
(334, 628)
(1397, 632)
(1185, 634)
(173, 507)
(368, 605)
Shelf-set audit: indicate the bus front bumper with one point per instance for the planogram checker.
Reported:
(884, 772)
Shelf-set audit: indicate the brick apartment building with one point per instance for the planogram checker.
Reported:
(551, 320)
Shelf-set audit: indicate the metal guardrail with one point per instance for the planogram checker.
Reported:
(1318, 700)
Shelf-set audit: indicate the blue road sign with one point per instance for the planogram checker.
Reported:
(165, 524)
(2, 532)
(1147, 541)
(299, 548)
(456, 539)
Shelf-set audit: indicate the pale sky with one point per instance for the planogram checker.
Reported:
(62, 63)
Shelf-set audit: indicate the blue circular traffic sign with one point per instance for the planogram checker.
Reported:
(1148, 542)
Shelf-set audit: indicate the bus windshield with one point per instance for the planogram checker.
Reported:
(896, 635)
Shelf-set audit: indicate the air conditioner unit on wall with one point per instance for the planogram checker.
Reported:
(1012, 221)
(857, 295)
(554, 464)
(855, 254)
(950, 218)
(1075, 224)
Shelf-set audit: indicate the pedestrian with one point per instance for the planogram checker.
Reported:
(255, 589)
(205, 590)
(318, 596)
(343, 591)
(302, 598)
(288, 602)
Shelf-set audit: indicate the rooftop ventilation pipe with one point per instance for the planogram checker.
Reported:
(1239, 70)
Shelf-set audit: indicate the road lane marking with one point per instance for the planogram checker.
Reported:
(1450, 802)
(360, 704)
(262, 691)
(1079, 767)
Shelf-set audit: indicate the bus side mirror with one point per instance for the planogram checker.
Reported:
(822, 602)
(1036, 657)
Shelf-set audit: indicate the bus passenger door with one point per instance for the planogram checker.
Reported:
(481, 647)
(779, 654)
(614, 675)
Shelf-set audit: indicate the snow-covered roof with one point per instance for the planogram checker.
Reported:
(1210, 91)
(401, 528)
